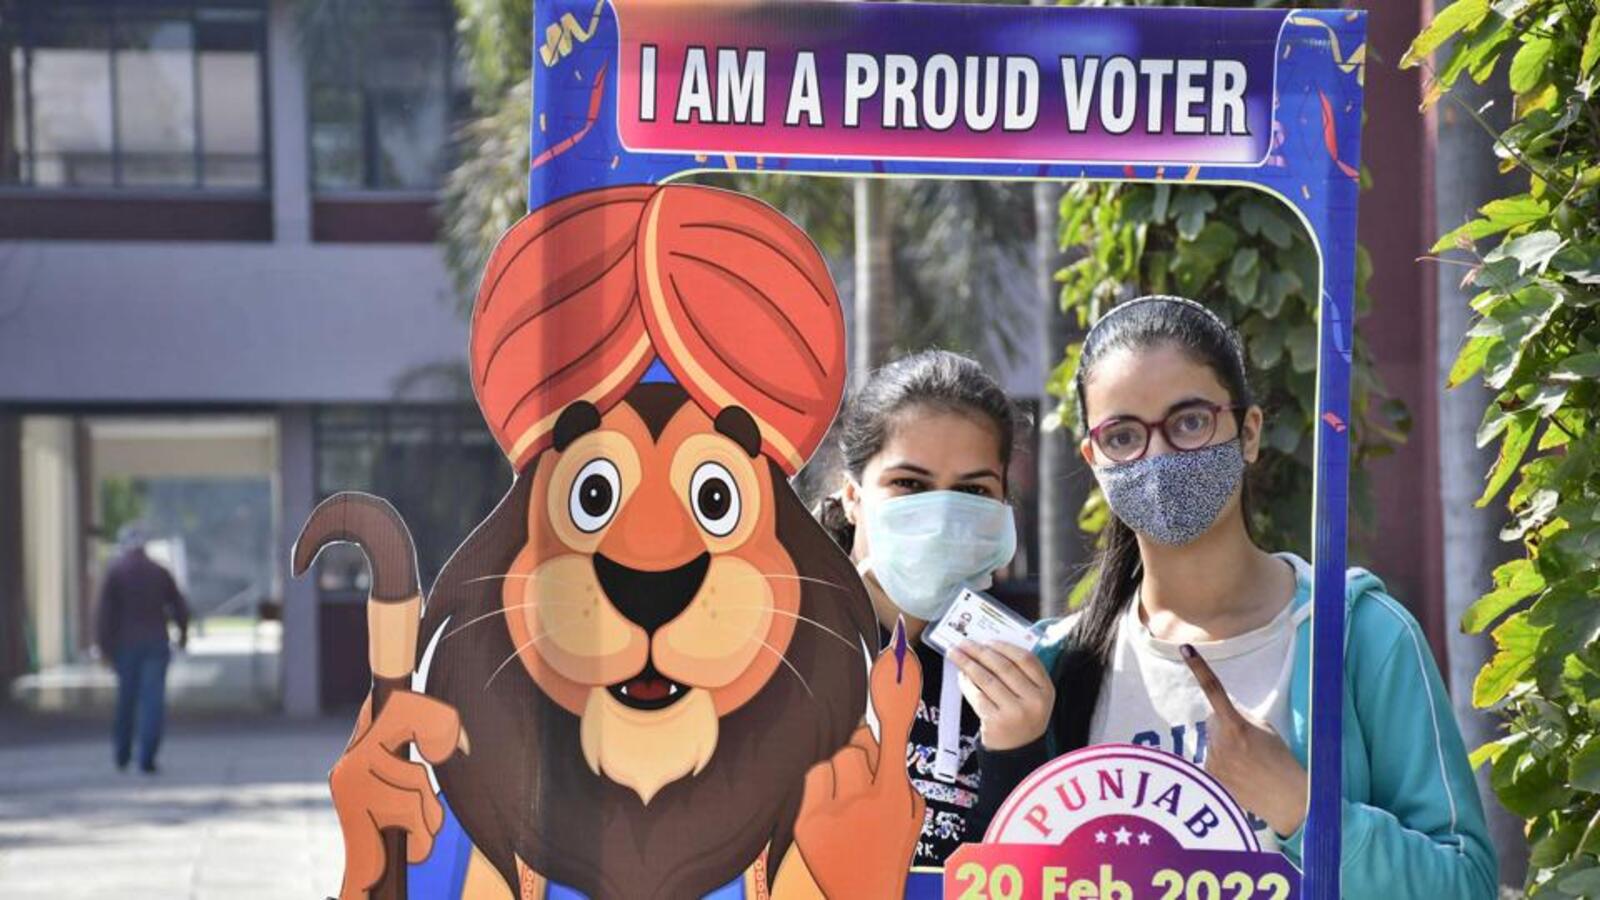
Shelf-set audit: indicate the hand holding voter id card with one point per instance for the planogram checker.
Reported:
(986, 645)
(980, 619)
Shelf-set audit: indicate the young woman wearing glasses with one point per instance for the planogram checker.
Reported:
(1196, 641)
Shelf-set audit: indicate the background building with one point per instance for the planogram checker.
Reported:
(219, 300)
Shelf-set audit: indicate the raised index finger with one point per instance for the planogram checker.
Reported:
(1216, 694)
(896, 686)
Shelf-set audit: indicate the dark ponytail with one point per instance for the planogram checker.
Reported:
(935, 380)
(1136, 325)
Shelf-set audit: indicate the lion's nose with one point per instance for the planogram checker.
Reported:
(650, 599)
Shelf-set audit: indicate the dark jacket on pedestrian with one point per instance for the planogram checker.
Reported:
(137, 601)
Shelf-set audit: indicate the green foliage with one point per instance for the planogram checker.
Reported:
(486, 192)
(122, 500)
(1537, 345)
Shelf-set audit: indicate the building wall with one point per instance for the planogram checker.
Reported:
(89, 323)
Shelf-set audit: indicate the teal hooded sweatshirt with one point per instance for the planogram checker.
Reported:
(1413, 824)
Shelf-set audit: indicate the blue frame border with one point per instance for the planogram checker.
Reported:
(1313, 168)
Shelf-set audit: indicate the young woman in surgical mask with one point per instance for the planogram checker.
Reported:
(922, 511)
(1196, 641)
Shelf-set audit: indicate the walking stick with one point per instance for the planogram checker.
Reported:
(394, 608)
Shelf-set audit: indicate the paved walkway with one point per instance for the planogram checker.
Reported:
(239, 810)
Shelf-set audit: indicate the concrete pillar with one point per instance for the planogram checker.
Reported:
(289, 121)
(51, 569)
(302, 680)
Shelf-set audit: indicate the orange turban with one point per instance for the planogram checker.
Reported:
(582, 295)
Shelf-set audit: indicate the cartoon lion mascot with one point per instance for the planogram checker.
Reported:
(647, 674)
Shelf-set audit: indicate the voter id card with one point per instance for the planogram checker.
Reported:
(980, 619)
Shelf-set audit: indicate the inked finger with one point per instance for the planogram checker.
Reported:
(1221, 704)
(895, 685)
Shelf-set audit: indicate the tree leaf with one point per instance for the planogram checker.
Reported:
(1583, 772)
(1497, 216)
(1591, 48)
(1528, 784)
(1460, 15)
(1585, 883)
(1160, 202)
(1494, 749)
(1577, 368)
(1258, 217)
(1529, 66)
(1470, 360)
(1532, 252)
(1514, 581)
(1190, 208)
(1276, 287)
(1580, 262)
(1266, 348)
(1581, 679)
(1519, 434)
(1516, 640)
(1302, 344)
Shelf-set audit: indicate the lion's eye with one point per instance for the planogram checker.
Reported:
(594, 495)
(715, 498)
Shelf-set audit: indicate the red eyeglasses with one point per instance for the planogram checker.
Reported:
(1188, 427)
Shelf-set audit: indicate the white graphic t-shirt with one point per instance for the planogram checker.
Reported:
(1149, 697)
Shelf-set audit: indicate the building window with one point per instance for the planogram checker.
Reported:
(124, 94)
(438, 465)
(385, 97)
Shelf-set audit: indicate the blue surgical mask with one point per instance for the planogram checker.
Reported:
(924, 548)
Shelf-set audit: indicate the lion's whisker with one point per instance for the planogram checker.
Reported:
(785, 660)
(505, 609)
(776, 576)
(806, 619)
(529, 645)
(506, 576)
(781, 658)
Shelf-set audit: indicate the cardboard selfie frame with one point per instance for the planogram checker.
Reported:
(640, 92)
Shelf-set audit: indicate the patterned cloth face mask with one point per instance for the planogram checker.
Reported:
(1173, 497)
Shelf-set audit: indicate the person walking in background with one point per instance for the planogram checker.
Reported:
(137, 600)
